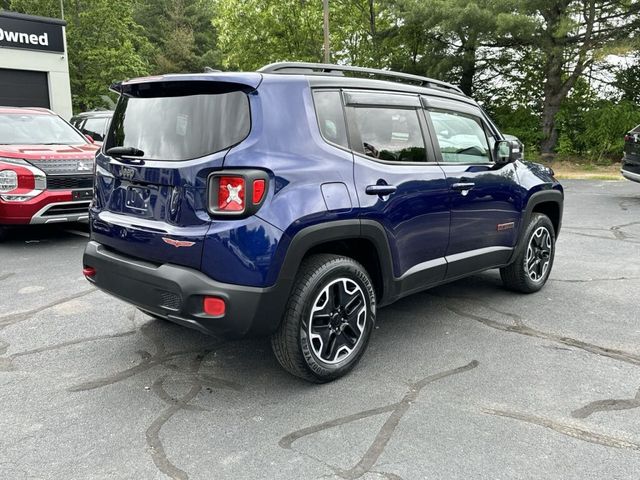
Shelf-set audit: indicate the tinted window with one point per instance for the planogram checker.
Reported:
(331, 117)
(461, 138)
(392, 134)
(180, 127)
(37, 129)
(95, 127)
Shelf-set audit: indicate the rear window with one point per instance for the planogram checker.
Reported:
(180, 127)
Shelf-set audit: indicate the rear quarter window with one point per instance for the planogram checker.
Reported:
(331, 117)
(180, 127)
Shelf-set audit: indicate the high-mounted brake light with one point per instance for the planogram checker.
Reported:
(231, 194)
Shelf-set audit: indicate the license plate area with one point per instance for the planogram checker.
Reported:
(137, 199)
(80, 195)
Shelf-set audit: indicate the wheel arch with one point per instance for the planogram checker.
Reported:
(548, 202)
(364, 241)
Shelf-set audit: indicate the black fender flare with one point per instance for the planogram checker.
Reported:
(551, 195)
(314, 235)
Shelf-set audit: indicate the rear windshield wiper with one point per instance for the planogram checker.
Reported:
(118, 152)
(128, 151)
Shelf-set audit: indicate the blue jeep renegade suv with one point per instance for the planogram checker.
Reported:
(297, 200)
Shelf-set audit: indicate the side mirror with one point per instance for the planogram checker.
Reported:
(504, 152)
(90, 138)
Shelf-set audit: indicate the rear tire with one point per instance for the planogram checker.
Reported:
(328, 319)
(530, 270)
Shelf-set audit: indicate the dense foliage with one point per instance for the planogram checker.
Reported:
(542, 68)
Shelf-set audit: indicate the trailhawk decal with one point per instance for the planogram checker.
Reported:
(505, 226)
(177, 243)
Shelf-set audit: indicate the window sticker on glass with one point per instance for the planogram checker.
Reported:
(182, 121)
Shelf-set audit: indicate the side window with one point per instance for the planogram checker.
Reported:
(462, 138)
(95, 127)
(392, 134)
(331, 117)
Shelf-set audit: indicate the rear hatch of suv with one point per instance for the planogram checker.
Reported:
(168, 134)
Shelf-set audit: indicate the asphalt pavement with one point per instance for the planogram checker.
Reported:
(465, 381)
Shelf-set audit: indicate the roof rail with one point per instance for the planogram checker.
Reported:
(303, 68)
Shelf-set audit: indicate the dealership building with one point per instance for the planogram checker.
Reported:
(34, 70)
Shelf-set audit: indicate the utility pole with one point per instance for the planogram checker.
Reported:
(327, 47)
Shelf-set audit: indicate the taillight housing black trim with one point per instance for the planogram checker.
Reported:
(249, 176)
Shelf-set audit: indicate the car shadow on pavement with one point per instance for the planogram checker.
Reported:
(34, 234)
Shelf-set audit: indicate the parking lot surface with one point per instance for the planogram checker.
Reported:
(463, 381)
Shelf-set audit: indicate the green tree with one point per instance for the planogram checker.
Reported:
(255, 32)
(181, 32)
(449, 39)
(627, 80)
(571, 36)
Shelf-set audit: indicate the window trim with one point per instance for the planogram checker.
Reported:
(366, 98)
(434, 136)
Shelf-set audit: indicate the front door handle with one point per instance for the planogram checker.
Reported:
(380, 190)
(462, 186)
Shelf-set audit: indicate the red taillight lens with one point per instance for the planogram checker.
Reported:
(258, 190)
(231, 194)
(214, 306)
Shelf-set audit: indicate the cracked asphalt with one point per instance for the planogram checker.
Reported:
(463, 381)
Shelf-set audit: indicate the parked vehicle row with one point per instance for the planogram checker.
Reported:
(46, 169)
(93, 124)
(295, 201)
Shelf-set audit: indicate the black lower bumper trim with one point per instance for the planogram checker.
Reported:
(176, 293)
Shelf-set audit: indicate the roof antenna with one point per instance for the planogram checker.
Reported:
(211, 70)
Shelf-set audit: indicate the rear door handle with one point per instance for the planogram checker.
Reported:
(462, 186)
(380, 190)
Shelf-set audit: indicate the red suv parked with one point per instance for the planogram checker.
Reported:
(46, 168)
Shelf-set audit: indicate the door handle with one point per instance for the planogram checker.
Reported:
(462, 186)
(380, 190)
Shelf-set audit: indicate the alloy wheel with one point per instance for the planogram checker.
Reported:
(337, 320)
(538, 256)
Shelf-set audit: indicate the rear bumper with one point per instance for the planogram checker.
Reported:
(176, 293)
(631, 167)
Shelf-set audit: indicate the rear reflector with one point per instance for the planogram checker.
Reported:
(89, 271)
(231, 194)
(258, 191)
(214, 306)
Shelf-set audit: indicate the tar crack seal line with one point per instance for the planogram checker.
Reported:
(566, 429)
(607, 405)
(531, 332)
(398, 410)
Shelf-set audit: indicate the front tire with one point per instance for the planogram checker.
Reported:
(530, 270)
(328, 320)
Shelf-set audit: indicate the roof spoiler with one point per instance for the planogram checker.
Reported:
(227, 80)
